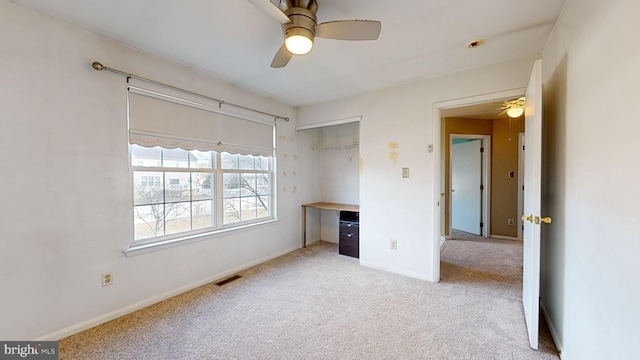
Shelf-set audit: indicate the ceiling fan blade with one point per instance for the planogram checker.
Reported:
(282, 57)
(271, 10)
(349, 30)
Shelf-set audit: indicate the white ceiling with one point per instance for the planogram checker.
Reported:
(234, 40)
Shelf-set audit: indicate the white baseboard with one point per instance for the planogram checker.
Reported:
(443, 239)
(410, 274)
(74, 329)
(501, 237)
(552, 329)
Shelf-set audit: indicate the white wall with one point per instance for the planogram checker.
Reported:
(590, 285)
(339, 174)
(65, 208)
(396, 208)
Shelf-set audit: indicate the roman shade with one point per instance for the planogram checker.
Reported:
(157, 119)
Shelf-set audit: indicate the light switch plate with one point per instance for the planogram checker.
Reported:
(405, 172)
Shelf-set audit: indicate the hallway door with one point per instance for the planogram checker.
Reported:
(466, 181)
(532, 199)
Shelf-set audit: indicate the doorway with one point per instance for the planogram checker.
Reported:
(469, 183)
(441, 143)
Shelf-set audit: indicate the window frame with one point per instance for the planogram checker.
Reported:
(217, 173)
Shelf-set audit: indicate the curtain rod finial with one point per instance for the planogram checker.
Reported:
(97, 66)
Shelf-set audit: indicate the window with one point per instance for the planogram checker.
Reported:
(196, 169)
(176, 192)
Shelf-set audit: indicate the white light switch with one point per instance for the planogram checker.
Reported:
(405, 172)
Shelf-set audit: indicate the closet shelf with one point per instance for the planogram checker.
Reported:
(351, 146)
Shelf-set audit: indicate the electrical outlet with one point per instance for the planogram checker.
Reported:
(107, 279)
(393, 245)
(510, 222)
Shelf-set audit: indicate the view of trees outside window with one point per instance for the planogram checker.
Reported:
(246, 189)
(175, 192)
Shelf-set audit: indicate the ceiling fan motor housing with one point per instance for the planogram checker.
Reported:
(303, 22)
(311, 5)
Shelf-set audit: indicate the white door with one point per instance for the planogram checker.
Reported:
(466, 177)
(532, 196)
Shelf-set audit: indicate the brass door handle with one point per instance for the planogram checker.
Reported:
(537, 220)
(527, 218)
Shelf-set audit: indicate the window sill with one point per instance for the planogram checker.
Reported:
(135, 250)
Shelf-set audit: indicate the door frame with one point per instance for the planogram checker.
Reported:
(485, 215)
(438, 163)
(520, 184)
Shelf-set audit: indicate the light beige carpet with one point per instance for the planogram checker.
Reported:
(316, 304)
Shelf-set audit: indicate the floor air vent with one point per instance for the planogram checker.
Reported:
(228, 280)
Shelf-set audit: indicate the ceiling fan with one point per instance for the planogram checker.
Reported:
(300, 27)
(514, 108)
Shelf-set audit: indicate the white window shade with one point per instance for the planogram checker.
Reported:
(161, 120)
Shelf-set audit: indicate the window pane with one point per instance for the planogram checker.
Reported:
(178, 186)
(248, 206)
(231, 210)
(262, 184)
(177, 217)
(246, 162)
(147, 188)
(202, 214)
(201, 159)
(248, 185)
(146, 156)
(176, 158)
(263, 204)
(229, 161)
(148, 221)
(202, 186)
(262, 163)
(231, 185)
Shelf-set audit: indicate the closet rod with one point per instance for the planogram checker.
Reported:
(99, 67)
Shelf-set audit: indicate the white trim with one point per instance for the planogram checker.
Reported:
(502, 237)
(149, 247)
(552, 329)
(438, 171)
(329, 123)
(74, 329)
(520, 185)
(411, 274)
(443, 239)
(479, 99)
(438, 206)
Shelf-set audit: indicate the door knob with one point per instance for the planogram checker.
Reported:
(537, 220)
(527, 218)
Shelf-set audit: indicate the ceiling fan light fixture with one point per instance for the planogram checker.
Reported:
(298, 41)
(515, 112)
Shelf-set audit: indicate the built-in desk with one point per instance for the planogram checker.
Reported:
(323, 206)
